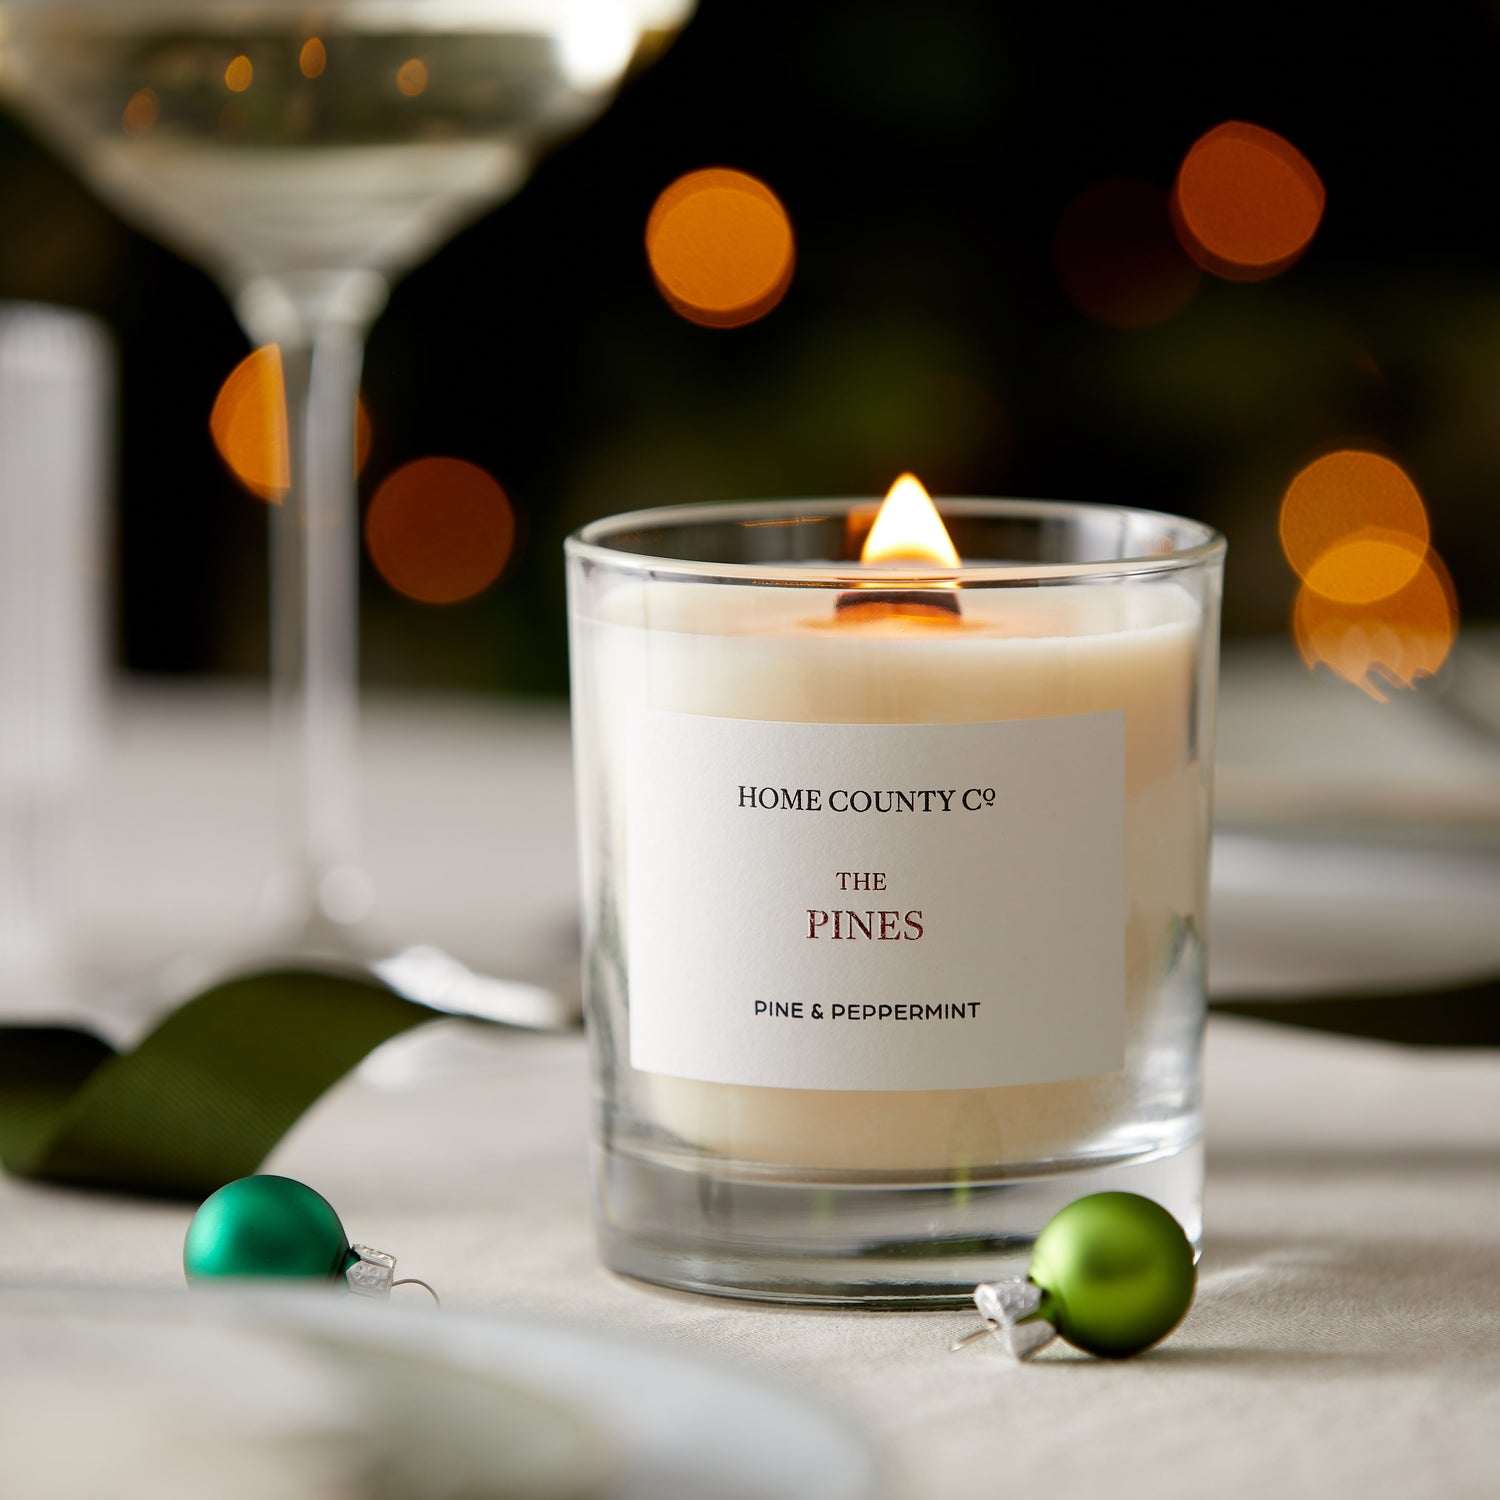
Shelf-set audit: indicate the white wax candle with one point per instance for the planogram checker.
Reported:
(781, 654)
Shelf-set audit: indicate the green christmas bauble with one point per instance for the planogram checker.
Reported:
(1117, 1271)
(265, 1226)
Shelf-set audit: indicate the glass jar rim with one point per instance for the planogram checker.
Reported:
(591, 543)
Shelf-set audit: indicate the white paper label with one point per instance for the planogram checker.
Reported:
(886, 906)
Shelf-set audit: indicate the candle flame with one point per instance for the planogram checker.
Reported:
(909, 529)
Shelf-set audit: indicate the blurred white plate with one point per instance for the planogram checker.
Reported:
(1301, 916)
(310, 1397)
(1358, 845)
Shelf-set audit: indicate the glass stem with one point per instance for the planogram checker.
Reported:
(319, 895)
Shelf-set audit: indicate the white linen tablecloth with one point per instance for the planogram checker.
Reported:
(1345, 1339)
(1346, 1336)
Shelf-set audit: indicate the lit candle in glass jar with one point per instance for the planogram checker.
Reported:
(900, 877)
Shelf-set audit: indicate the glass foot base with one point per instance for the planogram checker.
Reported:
(843, 1245)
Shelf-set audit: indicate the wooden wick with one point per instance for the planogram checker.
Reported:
(895, 604)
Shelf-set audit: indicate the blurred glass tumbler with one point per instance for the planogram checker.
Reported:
(894, 886)
(56, 395)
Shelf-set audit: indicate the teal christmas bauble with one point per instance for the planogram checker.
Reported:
(1117, 1271)
(265, 1226)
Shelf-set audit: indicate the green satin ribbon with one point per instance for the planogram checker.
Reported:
(205, 1096)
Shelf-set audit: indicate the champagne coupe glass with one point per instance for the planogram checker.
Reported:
(305, 154)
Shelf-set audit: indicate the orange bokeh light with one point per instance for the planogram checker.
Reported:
(440, 530)
(411, 77)
(140, 112)
(721, 247)
(1246, 203)
(1353, 526)
(1370, 566)
(1117, 258)
(313, 58)
(1389, 643)
(248, 425)
(239, 75)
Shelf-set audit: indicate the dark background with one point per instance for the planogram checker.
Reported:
(925, 152)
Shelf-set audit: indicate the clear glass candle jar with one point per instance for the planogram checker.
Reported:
(894, 886)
